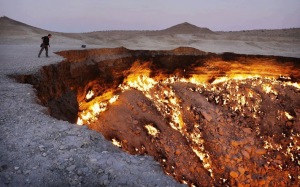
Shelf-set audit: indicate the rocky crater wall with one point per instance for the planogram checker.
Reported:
(183, 105)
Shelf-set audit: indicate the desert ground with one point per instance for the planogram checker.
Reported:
(39, 150)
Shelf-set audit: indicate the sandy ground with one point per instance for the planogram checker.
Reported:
(38, 150)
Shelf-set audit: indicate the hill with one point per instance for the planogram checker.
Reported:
(187, 28)
(284, 42)
(12, 27)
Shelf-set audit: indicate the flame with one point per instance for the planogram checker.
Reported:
(138, 77)
(113, 99)
(288, 116)
(268, 88)
(219, 80)
(152, 130)
(89, 95)
(233, 90)
(97, 106)
(79, 121)
(294, 84)
(141, 82)
(116, 143)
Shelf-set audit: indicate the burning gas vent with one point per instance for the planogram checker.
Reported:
(208, 119)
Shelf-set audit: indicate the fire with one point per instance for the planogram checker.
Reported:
(269, 89)
(138, 77)
(152, 130)
(98, 105)
(79, 121)
(242, 90)
(220, 80)
(141, 82)
(89, 95)
(288, 116)
(116, 143)
(113, 99)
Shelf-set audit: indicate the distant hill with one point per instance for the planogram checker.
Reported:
(187, 28)
(12, 31)
(12, 27)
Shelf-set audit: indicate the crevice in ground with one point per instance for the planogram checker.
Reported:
(209, 119)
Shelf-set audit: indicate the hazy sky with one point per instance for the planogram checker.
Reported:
(95, 15)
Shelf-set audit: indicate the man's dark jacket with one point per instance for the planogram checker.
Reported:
(45, 40)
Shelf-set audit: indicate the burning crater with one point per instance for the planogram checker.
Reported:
(209, 119)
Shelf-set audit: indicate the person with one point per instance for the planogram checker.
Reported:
(45, 45)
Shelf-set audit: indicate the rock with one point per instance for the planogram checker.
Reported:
(261, 182)
(207, 116)
(247, 130)
(7, 178)
(79, 172)
(167, 149)
(3, 167)
(19, 172)
(246, 154)
(42, 148)
(177, 152)
(234, 174)
(61, 167)
(241, 170)
(251, 140)
(62, 147)
(100, 171)
(71, 168)
(289, 124)
(278, 161)
(26, 172)
(261, 151)
(105, 182)
(235, 143)
(248, 148)
(28, 181)
(139, 103)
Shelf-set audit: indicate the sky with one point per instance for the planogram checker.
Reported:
(97, 15)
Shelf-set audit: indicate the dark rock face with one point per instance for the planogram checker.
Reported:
(235, 156)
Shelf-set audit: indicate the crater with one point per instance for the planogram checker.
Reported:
(208, 119)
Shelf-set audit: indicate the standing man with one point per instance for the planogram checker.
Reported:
(45, 45)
